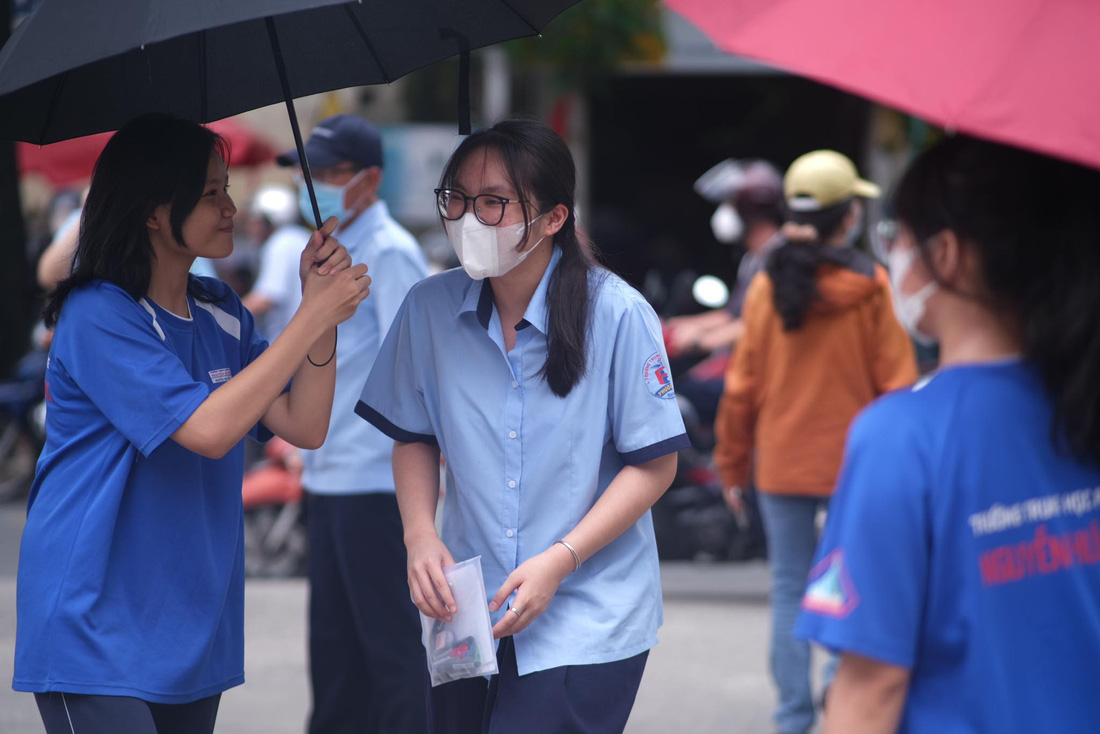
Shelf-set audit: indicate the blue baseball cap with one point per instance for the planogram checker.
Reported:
(337, 139)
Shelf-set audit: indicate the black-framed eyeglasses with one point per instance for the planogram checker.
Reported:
(488, 208)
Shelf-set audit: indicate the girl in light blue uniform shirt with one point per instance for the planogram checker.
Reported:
(131, 577)
(543, 381)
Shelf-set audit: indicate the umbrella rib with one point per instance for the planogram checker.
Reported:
(370, 46)
(519, 15)
(53, 106)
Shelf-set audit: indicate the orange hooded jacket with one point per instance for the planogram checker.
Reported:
(790, 396)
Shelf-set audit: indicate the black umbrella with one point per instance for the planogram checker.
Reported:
(78, 67)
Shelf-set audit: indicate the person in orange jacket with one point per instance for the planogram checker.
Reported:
(821, 342)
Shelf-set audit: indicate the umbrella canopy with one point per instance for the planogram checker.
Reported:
(1021, 72)
(78, 67)
(71, 161)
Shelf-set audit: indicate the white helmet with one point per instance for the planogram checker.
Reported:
(278, 204)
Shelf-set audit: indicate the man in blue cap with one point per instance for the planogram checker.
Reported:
(367, 666)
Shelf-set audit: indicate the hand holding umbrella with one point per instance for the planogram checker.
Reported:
(322, 257)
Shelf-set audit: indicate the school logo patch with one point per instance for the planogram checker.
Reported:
(222, 375)
(656, 377)
(830, 590)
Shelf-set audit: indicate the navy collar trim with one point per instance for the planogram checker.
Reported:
(485, 304)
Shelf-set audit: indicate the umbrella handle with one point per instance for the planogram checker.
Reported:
(281, 66)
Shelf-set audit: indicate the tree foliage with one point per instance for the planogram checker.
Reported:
(594, 38)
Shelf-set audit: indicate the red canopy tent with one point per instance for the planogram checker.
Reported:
(70, 162)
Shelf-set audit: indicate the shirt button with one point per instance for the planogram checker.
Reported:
(510, 533)
(511, 434)
(515, 384)
(512, 483)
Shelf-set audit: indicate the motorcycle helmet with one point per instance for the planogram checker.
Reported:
(744, 190)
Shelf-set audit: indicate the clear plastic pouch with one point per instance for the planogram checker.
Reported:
(463, 647)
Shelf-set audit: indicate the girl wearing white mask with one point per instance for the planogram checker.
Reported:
(959, 569)
(542, 379)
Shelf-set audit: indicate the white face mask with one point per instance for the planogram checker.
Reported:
(484, 251)
(909, 307)
(726, 224)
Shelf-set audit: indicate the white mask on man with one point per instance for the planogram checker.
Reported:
(726, 224)
(909, 307)
(484, 251)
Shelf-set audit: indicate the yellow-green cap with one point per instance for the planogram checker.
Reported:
(822, 178)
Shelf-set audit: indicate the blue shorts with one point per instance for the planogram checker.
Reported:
(593, 699)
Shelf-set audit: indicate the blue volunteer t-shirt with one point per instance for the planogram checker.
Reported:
(131, 570)
(962, 545)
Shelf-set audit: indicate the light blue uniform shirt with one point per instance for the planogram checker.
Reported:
(356, 457)
(523, 465)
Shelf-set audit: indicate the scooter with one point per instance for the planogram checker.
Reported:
(691, 520)
(276, 541)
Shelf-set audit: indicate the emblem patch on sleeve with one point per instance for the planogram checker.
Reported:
(657, 378)
(830, 590)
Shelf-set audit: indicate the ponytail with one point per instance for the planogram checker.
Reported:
(793, 266)
(569, 302)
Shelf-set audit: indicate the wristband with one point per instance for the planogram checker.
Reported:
(325, 363)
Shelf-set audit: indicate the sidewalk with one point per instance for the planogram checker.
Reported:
(708, 675)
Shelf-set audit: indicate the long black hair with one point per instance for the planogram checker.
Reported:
(154, 159)
(541, 169)
(1035, 225)
(793, 265)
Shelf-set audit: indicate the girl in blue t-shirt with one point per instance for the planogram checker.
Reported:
(131, 585)
(959, 572)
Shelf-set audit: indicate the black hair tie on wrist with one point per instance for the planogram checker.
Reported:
(335, 337)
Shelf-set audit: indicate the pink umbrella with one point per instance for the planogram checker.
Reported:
(1022, 72)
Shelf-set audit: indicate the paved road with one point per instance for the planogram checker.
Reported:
(708, 675)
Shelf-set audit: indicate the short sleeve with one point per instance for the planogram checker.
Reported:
(392, 399)
(110, 348)
(645, 418)
(866, 591)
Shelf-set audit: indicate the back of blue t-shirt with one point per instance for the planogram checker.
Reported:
(963, 545)
(131, 568)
